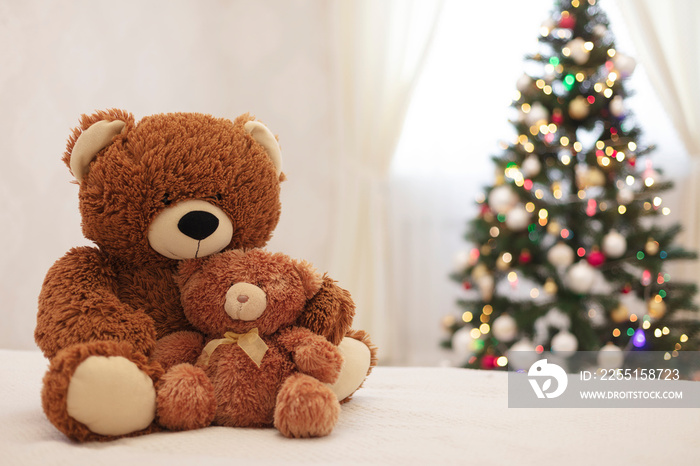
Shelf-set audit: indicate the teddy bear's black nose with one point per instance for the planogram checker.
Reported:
(198, 224)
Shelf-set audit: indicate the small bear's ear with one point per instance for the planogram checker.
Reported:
(95, 132)
(265, 138)
(311, 280)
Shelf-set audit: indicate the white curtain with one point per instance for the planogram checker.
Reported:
(380, 47)
(668, 45)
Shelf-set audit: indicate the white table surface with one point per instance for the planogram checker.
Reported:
(430, 416)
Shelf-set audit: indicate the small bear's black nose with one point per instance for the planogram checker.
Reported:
(198, 224)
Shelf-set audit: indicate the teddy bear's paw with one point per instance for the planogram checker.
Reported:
(111, 395)
(358, 360)
(186, 398)
(305, 408)
(319, 359)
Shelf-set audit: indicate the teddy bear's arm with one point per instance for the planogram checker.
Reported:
(78, 303)
(178, 347)
(312, 353)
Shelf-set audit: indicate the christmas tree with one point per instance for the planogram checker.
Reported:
(567, 252)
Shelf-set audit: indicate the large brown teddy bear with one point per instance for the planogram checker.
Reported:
(262, 369)
(172, 187)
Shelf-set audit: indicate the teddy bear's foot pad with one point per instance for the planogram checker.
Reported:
(110, 395)
(356, 364)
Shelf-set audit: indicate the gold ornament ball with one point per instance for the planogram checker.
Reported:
(448, 321)
(620, 314)
(651, 247)
(554, 228)
(550, 287)
(656, 308)
(578, 108)
(595, 177)
(479, 271)
(502, 265)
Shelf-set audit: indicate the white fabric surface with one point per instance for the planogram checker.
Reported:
(433, 416)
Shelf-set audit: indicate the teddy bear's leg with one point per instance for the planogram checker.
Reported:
(186, 398)
(100, 390)
(359, 357)
(305, 407)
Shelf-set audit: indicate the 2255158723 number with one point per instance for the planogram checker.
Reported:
(639, 374)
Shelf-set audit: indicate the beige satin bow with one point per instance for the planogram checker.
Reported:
(250, 343)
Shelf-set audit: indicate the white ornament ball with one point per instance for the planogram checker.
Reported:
(560, 255)
(504, 328)
(523, 83)
(537, 115)
(610, 357)
(486, 285)
(579, 53)
(531, 166)
(462, 342)
(461, 260)
(502, 199)
(624, 64)
(564, 343)
(579, 108)
(600, 30)
(580, 277)
(522, 355)
(548, 24)
(625, 196)
(614, 244)
(617, 106)
(517, 219)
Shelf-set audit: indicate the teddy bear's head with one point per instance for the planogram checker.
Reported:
(175, 186)
(236, 291)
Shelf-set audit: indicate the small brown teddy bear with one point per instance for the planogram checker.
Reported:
(262, 368)
(154, 192)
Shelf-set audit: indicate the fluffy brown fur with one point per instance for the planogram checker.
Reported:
(178, 348)
(122, 290)
(288, 389)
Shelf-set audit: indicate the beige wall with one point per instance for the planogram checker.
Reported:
(59, 59)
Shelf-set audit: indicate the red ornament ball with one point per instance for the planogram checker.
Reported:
(626, 289)
(525, 257)
(467, 285)
(557, 117)
(488, 361)
(567, 21)
(596, 258)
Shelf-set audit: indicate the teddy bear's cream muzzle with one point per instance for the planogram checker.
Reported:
(245, 301)
(189, 229)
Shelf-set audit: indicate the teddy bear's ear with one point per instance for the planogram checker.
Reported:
(95, 132)
(330, 312)
(265, 138)
(311, 280)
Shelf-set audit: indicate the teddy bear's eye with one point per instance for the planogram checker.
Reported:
(166, 199)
